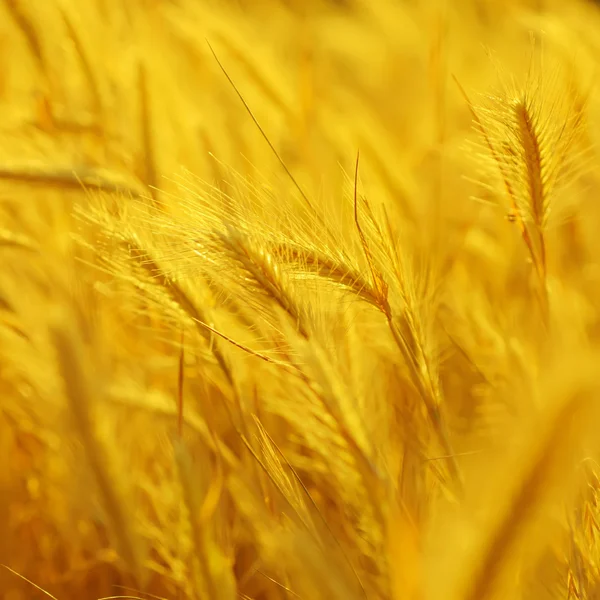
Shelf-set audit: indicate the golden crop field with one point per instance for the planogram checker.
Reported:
(299, 299)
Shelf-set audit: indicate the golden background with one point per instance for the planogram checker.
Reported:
(238, 361)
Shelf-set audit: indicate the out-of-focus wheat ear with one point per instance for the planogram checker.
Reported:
(143, 254)
(428, 389)
(293, 369)
(80, 393)
(181, 297)
(148, 148)
(317, 575)
(288, 488)
(192, 501)
(273, 469)
(26, 24)
(72, 177)
(180, 386)
(84, 53)
(405, 334)
(584, 533)
(336, 400)
(545, 473)
(402, 544)
(213, 574)
(200, 317)
(408, 336)
(12, 239)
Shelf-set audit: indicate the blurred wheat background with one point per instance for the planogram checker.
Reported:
(299, 299)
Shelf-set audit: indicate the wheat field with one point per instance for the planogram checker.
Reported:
(299, 299)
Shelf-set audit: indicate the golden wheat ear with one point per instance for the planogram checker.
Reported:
(532, 136)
